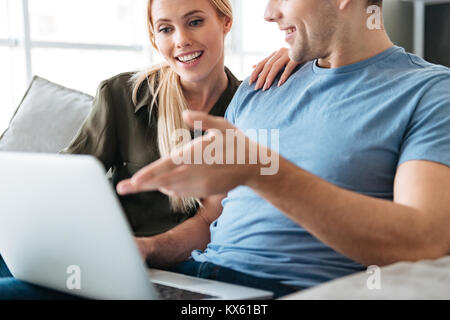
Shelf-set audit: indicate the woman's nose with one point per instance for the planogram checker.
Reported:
(272, 12)
(183, 39)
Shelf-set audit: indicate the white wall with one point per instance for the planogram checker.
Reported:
(398, 21)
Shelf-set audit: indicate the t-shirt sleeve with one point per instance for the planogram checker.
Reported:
(230, 113)
(428, 133)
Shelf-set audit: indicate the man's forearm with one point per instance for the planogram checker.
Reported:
(365, 229)
(175, 246)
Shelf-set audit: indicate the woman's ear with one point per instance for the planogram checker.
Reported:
(228, 24)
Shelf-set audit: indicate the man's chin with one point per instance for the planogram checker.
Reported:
(301, 54)
(296, 56)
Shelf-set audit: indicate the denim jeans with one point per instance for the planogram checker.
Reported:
(13, 289)
(212, 271)
(4, 271)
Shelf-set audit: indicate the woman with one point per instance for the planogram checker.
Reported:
(135, 115)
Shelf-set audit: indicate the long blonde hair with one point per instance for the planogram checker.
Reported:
(165, 87)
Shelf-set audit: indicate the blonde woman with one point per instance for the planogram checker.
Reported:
(134, 116)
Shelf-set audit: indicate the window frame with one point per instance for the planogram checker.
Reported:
(235, 46)
(28, 44)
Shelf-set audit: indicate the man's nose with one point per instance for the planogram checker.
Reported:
(272, 13)
(183, 39)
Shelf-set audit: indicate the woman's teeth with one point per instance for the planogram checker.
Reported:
(189, 58)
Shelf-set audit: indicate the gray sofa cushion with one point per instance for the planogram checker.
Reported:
(47, 119)
(422, 280)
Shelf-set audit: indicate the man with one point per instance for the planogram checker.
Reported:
(363, 177)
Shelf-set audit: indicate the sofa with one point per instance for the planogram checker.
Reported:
(50, 115)
(422, 280)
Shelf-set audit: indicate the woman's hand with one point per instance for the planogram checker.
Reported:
(266, 71)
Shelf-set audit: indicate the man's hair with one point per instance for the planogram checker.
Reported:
(376, 2)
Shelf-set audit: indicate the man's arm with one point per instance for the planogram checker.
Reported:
(368, 230)
(175, 246)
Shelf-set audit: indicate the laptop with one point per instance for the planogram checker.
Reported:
(62, 227)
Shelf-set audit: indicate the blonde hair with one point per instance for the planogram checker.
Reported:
(165, 87)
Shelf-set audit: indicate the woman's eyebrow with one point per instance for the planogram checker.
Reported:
(190, 13)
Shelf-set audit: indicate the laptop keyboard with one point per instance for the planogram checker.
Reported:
(171, 293)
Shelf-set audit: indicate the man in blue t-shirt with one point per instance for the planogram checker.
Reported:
(364, 145)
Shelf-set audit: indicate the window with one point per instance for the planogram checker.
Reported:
(116, 22)
(79, 43)
(252, 39)
(3, 20)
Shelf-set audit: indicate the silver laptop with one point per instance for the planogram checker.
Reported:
(62, 227)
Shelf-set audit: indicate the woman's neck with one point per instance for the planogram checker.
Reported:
(203, 95)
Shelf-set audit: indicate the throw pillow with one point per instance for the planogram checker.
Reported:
(47, 119)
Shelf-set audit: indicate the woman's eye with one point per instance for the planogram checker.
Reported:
(164, 30)
(195, 23)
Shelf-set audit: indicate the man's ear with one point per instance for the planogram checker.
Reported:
(343, 4)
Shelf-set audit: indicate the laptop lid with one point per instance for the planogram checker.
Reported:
(60, 222)
(62, 227)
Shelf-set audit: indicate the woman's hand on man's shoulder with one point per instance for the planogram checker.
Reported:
(267, 70)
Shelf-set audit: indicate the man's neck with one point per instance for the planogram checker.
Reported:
(355, 48)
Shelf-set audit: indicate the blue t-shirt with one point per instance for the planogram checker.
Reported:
(352, 126)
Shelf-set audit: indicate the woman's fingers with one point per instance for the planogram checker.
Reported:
(266, 69)
(259, 68)
(276, 68)
(287, 72)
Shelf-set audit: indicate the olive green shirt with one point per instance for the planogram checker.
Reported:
(124, 138)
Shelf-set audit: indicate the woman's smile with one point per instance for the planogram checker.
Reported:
(190, 59)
